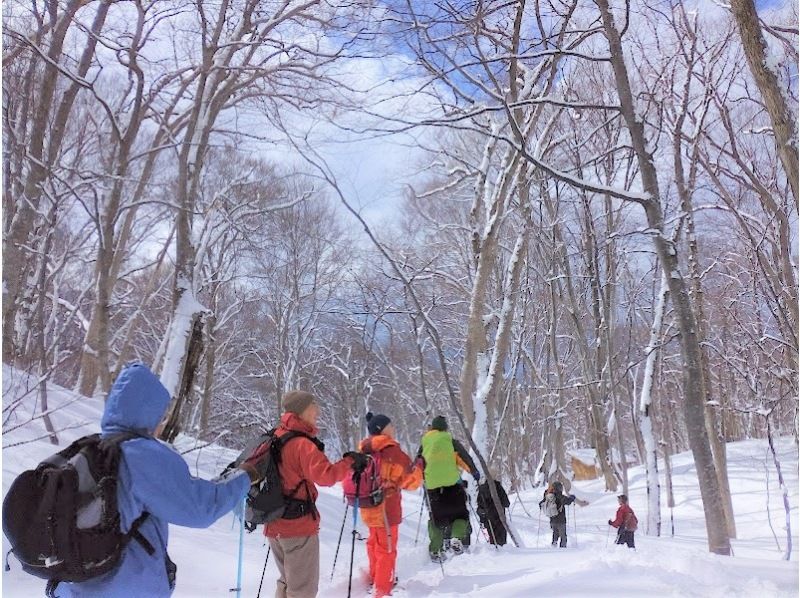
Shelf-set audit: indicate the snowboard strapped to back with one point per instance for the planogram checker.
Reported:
(62, 519)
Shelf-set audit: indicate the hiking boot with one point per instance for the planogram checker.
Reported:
(456, 546)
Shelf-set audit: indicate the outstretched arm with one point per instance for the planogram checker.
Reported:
(161, 481)
(467, 463)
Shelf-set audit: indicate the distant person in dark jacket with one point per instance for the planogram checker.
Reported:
(625, 522)
(487, 512)
(553, 505)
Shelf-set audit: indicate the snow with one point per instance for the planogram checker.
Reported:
(590, 566)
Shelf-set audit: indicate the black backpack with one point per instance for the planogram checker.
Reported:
(266, 501)
(61, 518)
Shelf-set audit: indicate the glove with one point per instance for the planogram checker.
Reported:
(420, 463)
(477, 476)
(610, 522)
(359, 460)
(256, 464)
(252, 472)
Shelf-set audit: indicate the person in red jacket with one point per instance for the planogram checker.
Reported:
(294, 538)
(625, 522)
(397, 472)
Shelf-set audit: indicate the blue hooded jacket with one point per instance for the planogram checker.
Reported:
(153, 478)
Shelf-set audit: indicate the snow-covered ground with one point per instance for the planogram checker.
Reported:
(590, 566)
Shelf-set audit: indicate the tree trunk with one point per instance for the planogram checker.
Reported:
(211, 357)
(172, 421)
(646, 413)
(761, 63)
(40, 336)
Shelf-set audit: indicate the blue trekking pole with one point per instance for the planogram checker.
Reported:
(238, 511)
(238, 587)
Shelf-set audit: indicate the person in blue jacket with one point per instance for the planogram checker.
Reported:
(154, 479)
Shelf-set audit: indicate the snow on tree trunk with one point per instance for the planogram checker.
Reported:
(479, 427)
(186, 310)
(646, 416)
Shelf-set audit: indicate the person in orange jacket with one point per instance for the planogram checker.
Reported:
(397, 473)
(294, 538)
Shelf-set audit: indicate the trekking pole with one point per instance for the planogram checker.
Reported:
(353, 544)
(608, 533)
(339, 543)
(419, 522)
(238, 588)
(260, 583)
(538, 528)
(430, 518)
(574, 525)
(480, 527)
(491, 533)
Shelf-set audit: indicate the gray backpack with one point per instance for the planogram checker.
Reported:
(550, 506)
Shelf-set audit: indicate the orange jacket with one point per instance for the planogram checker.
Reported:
(302, 460)
(397, 473)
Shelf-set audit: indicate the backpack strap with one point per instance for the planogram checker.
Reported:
(116, 439)
(135, 534)
(297, 506)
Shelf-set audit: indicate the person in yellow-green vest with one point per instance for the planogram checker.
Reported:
(443, 457)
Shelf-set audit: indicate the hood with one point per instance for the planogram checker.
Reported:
(376, 443)
(292, 421)
(137, 401)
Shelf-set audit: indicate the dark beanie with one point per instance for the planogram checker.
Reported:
(297, 401)
(376, 423)
(439, 423)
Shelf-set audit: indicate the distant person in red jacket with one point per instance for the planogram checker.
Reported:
(625, 522)
(294, 538)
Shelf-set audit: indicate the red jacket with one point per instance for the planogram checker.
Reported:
(622, 513)
(302, 460)
(397, 473)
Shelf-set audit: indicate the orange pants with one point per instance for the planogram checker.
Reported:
(382, 558)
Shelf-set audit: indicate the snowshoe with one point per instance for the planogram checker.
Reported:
(438, 557)
(456, 546)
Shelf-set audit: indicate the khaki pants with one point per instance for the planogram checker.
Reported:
(298, 563)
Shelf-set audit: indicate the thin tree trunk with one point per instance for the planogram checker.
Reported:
(784, 491)
(646, 414)
(42, 347)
